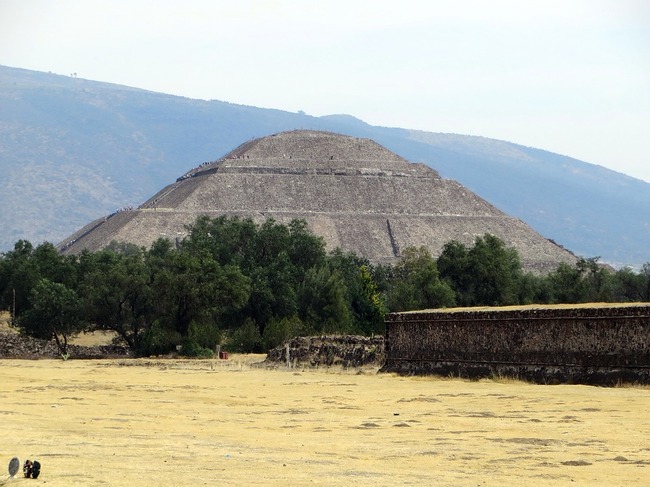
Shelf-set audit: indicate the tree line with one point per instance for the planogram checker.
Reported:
(249, 287)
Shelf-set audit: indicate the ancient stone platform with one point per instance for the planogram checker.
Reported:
(351, 191)
(589, 344)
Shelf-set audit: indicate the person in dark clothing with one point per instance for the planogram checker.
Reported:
(31, 469)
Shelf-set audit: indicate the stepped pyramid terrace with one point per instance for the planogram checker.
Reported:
(351, 191)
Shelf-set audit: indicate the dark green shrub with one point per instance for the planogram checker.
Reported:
(205, 335)
(190, 348)
(158, 340)
(247, 338)
(280, 330)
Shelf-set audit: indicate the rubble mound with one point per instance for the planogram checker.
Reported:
(14, 345)
(343, 350)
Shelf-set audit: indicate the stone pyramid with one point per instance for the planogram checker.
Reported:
(351, 191)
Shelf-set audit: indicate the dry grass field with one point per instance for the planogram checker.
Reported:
(189, 423)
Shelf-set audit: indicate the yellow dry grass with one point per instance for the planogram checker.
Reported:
(189, 423)
(5, 320)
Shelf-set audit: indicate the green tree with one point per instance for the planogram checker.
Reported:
(361, 291)
(323, 306)
(599, 279)
(487, 274)
(55, 266)
(586, 281)
(629, 286)
(279, 330)
(495, 272)
(125, 248)
(534, 288)
(274, 257)
(226, 240)
(23, 267)
(416, 283)
(188, 288)
(645, 282)
(247, 338)
(18, 276)
(21, 271)
(567, 284)
(454, 267)
(56, 312)
(117, 295)
(304, 249)
(372, 309)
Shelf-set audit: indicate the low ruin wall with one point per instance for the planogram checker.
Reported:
(316, 351)
(582, 344)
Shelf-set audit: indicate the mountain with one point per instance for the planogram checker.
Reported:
(73, 150)
(351, 191)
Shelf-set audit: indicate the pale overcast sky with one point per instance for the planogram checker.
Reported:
(570, 76)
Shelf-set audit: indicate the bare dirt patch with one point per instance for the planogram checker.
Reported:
(131, 422)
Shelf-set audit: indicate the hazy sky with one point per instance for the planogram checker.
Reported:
(571, 77)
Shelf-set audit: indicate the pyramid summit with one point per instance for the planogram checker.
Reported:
(353, 192)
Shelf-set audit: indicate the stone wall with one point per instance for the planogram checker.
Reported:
(343, 350)
(599, 344)
(15, 346)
